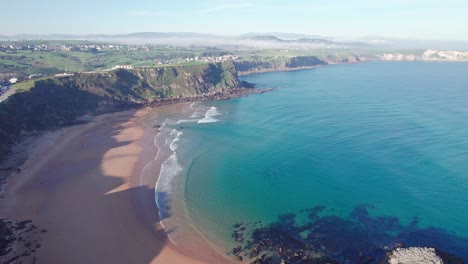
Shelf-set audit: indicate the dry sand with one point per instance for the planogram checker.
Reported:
(82, 184)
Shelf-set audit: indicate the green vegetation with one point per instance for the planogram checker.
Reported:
(49, 102)
(55, 57)
(160, 72)
(24, 86)
(25, 61)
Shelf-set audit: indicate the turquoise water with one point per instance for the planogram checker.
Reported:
(390, 136)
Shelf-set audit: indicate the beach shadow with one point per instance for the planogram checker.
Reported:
(90, 213)
(150, 238)
(358, 238)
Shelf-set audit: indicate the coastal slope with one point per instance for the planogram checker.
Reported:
(79, 197)
(291, 63)
(59, 101)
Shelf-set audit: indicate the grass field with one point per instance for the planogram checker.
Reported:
(23, 63)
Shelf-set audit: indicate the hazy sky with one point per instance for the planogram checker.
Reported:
(427, 19)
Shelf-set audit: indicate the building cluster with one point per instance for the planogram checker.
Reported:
(224, 58)
(48, 47)
(161, 62)
(208, 59)
(126, 67)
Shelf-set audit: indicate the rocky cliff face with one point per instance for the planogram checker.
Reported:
(59, 101)
(293, 63)
(338, 59)
(189, 81)
(248, 67)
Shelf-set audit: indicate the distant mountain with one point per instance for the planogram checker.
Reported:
(199, 39)
(253, 40)
(306, 42)
(313, 41)
(264, 38)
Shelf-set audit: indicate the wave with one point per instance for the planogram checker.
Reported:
(197, 114)
(169, 170)
(187, 121)
(209, 116)
(170, 141)
(199, 110)
(173, 146)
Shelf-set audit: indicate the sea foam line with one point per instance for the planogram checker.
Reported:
(173, 146)
(209, 116)
(170, 169)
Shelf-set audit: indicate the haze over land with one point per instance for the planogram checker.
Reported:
(390, 24)
(269, 40)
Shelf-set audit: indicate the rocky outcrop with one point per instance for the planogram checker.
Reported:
(60, 100)
(305, 61)
(18, 239)
(414, 255)
(249, 67)
(189, 81)
(341, 59)
(293, 63)
(422, 255)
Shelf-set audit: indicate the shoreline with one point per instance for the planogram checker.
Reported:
(83, 188)
(266, 70)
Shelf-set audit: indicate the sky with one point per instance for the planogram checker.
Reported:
(417, 19)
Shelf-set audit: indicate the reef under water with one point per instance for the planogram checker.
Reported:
(314, 236)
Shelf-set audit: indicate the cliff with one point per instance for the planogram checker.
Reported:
(281, 64)
(288, 64)
(427, 55)
(61, 100)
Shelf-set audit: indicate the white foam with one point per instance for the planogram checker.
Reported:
(173, 132)
(209, 116)
(169, 170)
(199, 110)
(197, 114)
(161, 137)
(174, 145)
(187, 120)
(168, 122)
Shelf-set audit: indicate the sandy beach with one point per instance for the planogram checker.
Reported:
(83, 186)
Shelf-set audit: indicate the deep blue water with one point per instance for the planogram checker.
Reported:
(389, 137)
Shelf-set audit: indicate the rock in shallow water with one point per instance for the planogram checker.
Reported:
(414, 255)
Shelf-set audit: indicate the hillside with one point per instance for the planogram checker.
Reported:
(58, 101)
(292, 63)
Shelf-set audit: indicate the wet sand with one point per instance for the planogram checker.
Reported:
(84, 185)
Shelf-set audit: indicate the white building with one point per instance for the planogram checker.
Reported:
(127, 67)
(13, 80)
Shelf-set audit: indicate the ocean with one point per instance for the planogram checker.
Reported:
(344, 161)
